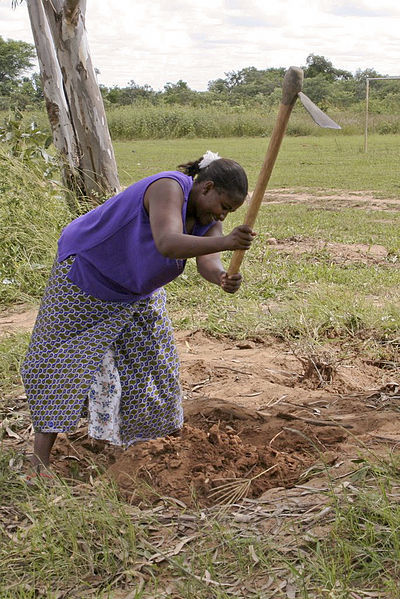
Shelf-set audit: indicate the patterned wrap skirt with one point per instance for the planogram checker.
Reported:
(117, 359)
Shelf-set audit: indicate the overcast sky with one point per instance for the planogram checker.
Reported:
(162, 41)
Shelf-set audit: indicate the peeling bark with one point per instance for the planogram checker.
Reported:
(73, 100)
(52, 83)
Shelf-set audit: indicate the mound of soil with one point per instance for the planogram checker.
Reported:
(221, 443)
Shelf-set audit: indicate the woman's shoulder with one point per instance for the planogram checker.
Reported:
(176, 175)
(140, 188)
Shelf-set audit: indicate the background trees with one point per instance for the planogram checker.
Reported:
(320, 66)
(16, 87)
(325, 84)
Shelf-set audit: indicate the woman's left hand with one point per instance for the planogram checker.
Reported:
(231, 283)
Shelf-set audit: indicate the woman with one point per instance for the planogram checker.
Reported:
(103, 342)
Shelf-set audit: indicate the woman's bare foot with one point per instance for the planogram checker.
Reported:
(38, 471)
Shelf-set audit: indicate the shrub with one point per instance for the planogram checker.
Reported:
(32, 212)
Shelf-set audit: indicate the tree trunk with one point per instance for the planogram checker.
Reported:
(56, 104)
(74, 103)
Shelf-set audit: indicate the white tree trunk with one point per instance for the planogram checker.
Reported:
(74, 103)
(53, 90)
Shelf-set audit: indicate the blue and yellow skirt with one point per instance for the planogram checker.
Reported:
(62, 371)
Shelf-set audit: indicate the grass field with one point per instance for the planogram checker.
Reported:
(324, 292)
(85, 540)
(330, 162)
(313, 294)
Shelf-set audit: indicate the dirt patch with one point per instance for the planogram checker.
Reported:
(222, 444)
(21, 318)
(337, 253)
(254, 420)
(331, 199)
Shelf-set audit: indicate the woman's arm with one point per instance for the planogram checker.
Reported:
(164, 200)
(210, 266)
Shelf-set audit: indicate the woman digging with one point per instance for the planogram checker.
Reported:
(102, 344)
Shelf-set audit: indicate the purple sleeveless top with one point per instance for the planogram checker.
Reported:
(116, 258)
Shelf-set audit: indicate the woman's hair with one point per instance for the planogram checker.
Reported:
(226, 174)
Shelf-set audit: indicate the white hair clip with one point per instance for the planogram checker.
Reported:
(208, 158)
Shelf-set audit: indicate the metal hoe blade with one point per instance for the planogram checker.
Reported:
(319, 117)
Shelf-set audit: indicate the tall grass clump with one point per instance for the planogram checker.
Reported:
(148, 121)
(32, 213)
(153, 122)
(158, 122)
(144, 120)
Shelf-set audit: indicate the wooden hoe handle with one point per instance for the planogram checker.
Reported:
(292, 85)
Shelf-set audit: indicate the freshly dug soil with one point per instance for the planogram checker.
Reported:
(221, 443)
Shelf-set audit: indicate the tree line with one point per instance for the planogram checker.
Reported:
(325, 84)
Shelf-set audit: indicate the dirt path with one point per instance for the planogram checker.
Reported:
(20, 318)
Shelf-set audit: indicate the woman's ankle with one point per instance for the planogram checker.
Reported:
(42, 447)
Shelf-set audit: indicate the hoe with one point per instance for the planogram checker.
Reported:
(291, 90)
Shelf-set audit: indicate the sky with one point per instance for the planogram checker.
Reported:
(162, 41)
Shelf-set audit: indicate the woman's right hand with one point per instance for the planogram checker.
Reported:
(240, 238)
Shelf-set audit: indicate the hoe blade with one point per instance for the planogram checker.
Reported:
(316, 113)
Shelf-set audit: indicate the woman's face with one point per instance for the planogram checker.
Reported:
(212, 204)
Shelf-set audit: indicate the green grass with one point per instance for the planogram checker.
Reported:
(12, 350)
(333, 161)
(362, 549)
(32, 213)
(63, 539)
(347, 225)
(303, 295)
(288, 299)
